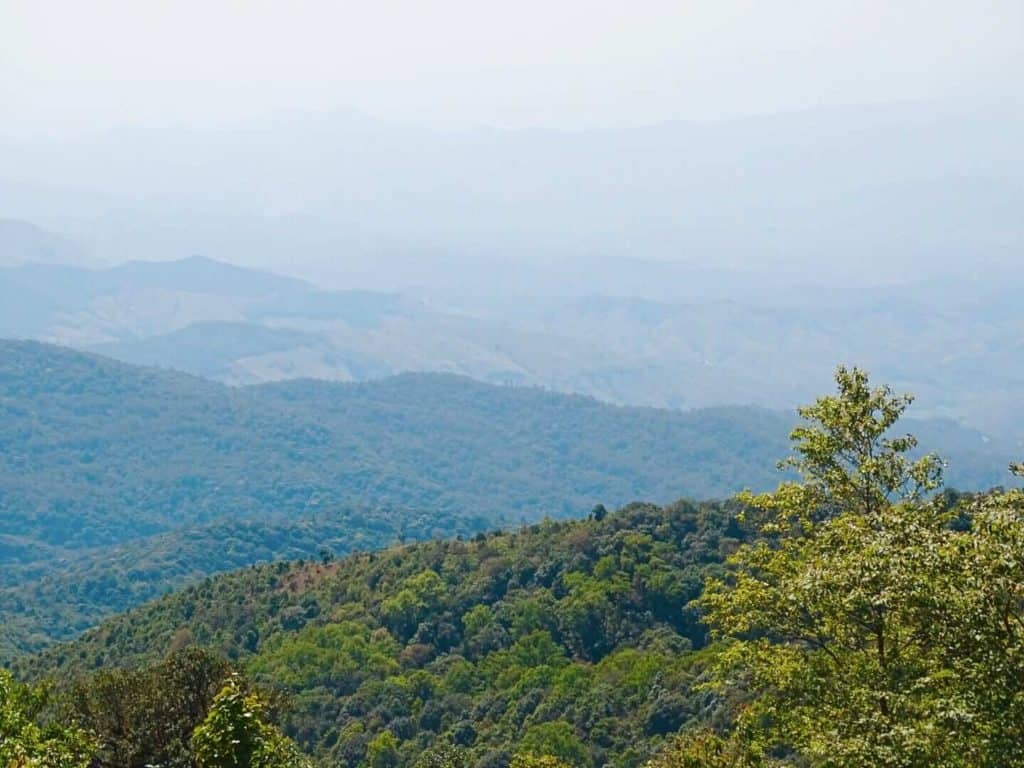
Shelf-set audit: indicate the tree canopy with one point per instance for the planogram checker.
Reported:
(235, 735)
(870, 622)
(858, 615)
(30, 739)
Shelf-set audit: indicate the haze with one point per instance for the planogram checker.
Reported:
(320, 138)
(459, 63)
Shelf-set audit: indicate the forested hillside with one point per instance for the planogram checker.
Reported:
(858, 615)
(41, 603)
(97, 452)
(119, 483)
(530, 638)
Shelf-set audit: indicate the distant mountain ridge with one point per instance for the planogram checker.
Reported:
(24, 243)
(137, 299)
(948, 341)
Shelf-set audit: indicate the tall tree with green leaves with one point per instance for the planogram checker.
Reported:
(702, 748)
(235, 734)
(981, 621)
(146, 716)
(867, 629)
(27, 741)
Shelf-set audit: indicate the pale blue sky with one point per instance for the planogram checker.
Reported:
(508, 64)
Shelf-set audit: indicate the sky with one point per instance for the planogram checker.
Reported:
(459, 63)
(312, 136)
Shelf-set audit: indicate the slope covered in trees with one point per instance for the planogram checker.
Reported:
(96, 452)
(41, 604)
(530, 640)
(118, 483)
(858, 615)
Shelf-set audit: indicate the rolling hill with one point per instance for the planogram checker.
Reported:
(574, 637)
(119, 483)
(97, 452)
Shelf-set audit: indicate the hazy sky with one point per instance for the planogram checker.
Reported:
(470, 62)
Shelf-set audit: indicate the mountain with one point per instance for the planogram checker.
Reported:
(135, 300)
(98, 452)
(22, 242)
(883, 187)
(119, 483)
(103, 463)
(537, 637)
(723, 345)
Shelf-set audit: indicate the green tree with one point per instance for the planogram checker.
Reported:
(444, 756)
(981, 623)
(382, 751)
(26, 741)
(848, 621)
(421, 593)
(703, 749)
(556, 739)
(147, 716)
(234, 734)
(537, 761)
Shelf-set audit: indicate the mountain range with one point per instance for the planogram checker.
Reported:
(884, 188)
(243, 326)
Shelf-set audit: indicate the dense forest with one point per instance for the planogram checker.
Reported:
(481, 642)
(96, 452)
(119, 483)
(858, 615)
(40, 604)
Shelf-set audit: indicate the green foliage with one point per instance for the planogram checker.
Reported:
(864, 625)
(537, 761)
(146, 716)
(443, 756)
(980, 626)
(122, 483)
(234, 734)
(382, 751)
(28, 739)
(419, 595)
(564, 639)
(555, 739)
(704, 749)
